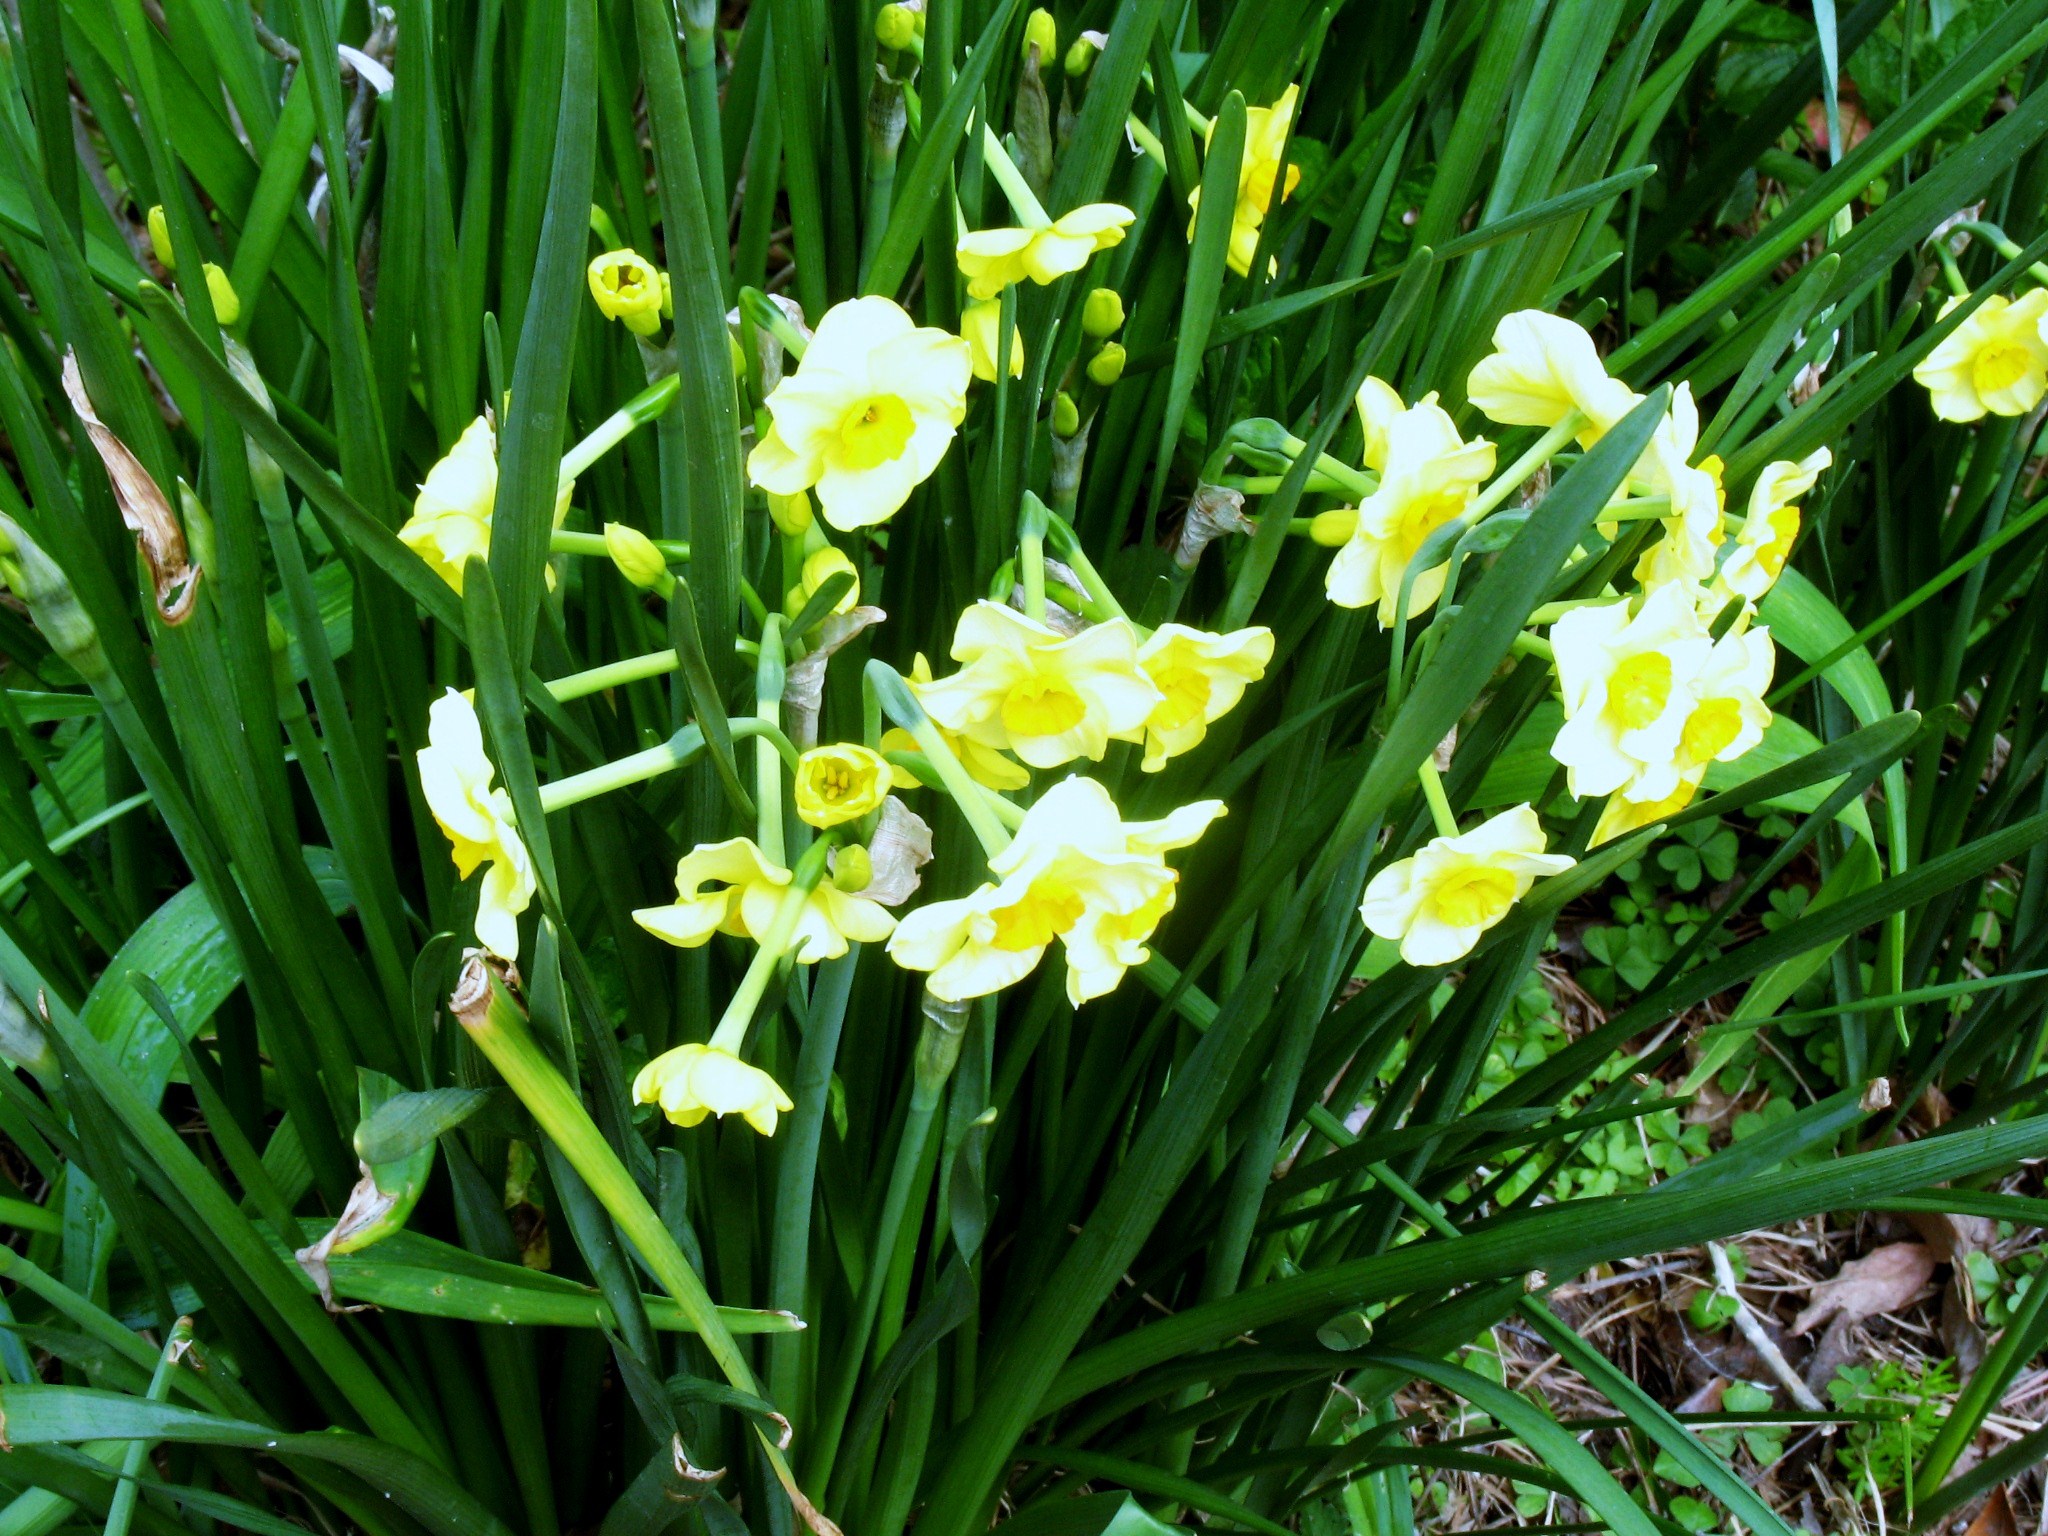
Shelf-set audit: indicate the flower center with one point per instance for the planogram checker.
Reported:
(1473, 898)
(1710, 728)
(1784, 529)
(875, 431)
(833, 783)
(1042, 706)
(1999, 366)
(623, 276)
(1048, 909)
(1187, 697)
(1639, 690)
(1424, 515)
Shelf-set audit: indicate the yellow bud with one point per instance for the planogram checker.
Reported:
(837, 784)
(668, 300)
(1107, 366)
(227, 309)
(635, 555)
(1103, 315)
(790, 514)
(1081, 56)
(1334, 528)
(1041, 33)
(160, 238)
(851, 868)
(896, 27)
(627, 288)
(1066, 416)
(823, 564)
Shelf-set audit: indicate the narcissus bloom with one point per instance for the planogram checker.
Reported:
(1771, 526)
(693, 1081)
(1379, 404)
(1622, 815)
(1200, 678)
(1728, 715)
(867, 416)
(989, 766)
(840, 783)
(1258, 177)
(1047, 697)
(1626, 683)
(1542, 367)
(1995, 361)
(1428, 476)
(1439, 901)
(455, 778)
(993, 259)
(981, 328)
(1077, 872)
(451, 516)
(628, 289)
(1693, 530)
(732, 887)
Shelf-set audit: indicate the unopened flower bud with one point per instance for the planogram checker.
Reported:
(1334, 528)
(896, 27)
(227, 308)
(1042, 33)
(627, 288)
(1107, 366)
(851, 868)
(790, 514)
(160, 238)
(635, 555)
(1102, 316)
(1066, 416)
(1081, 55)
(821, 565)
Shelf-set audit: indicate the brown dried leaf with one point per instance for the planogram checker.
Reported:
(1881, 1281)
(1995, 1518)
(143, 506)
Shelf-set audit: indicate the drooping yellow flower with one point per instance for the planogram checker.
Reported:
(1772, 525)
(451, 516)
(867, 415)
(981, 329)
(1258, 177)
(1542, 367)
(693, 1081)
(1439, 901)
(840, 783)
(1995, 361)
(989, 766)
(1076, 871)
(455, 779)
(1627, 684)
(1200, 677)
(1428, 476)
(993, 259)
(732, 887)
(1028, 689)
(628, 289)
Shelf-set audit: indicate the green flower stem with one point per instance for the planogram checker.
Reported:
(1030, 211)
(767, 315)
(901, 705)
(565, 541)
(770, 672)
(1550, 613)
(1636, 509)
(1319, 484)
(739, 1012)
(121, 1508)
(1957, 284)
(679, 751)
(1066, 545)
(2000, 242)
(612, 674)
(1526, 644)
(607, 232)
(614, 429)
(498, 1028)
(78, 834)
(1440, 810)
(1145, 139)
(1031, 526)
(1540, 452)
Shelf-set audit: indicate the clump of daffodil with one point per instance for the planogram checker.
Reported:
(694, 1081)
(1025, 688)
(451, 516)
(1077, 872)
(819, 566)
(841, 783)
(1771, 525)
(1541, 368)
(455, 778)
(1428, 475)
(1200, 677)
(1627, 687)
(628, 288)
(1259, 177)
(994, 259)
(988, 766)
(981, 328)
(1996, 361)
(1439, 901)
(732, 887)
(867, 415)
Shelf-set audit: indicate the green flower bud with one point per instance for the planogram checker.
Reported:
(160, 238)
(635, 555)
(851, 868)
(1334, 528)
(1066, 416)
(1107, 366)
(896, 27)
(40, 583)
(227, 308)
(1042, 33)
(1081, 55)
(790, 514)
(1103, 315)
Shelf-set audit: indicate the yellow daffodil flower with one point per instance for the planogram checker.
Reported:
(867, 415)
(1692, 532)
(628, 289)
(1438, 901)
(1076, 871)
(1200, 678)
(455, 778)
(1428, 476)
(981, 329)
(1258, 176)
(1621, 815)
(1379, 403)
(1627, 685)
(1728, 715)
(840, 783)
(1771, 526)
(451, 516)
(1995, 361)
(1028, 689)
(1542, 367)
(993, 259)
(985, 765)
(732, 887)
(693, 1081)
